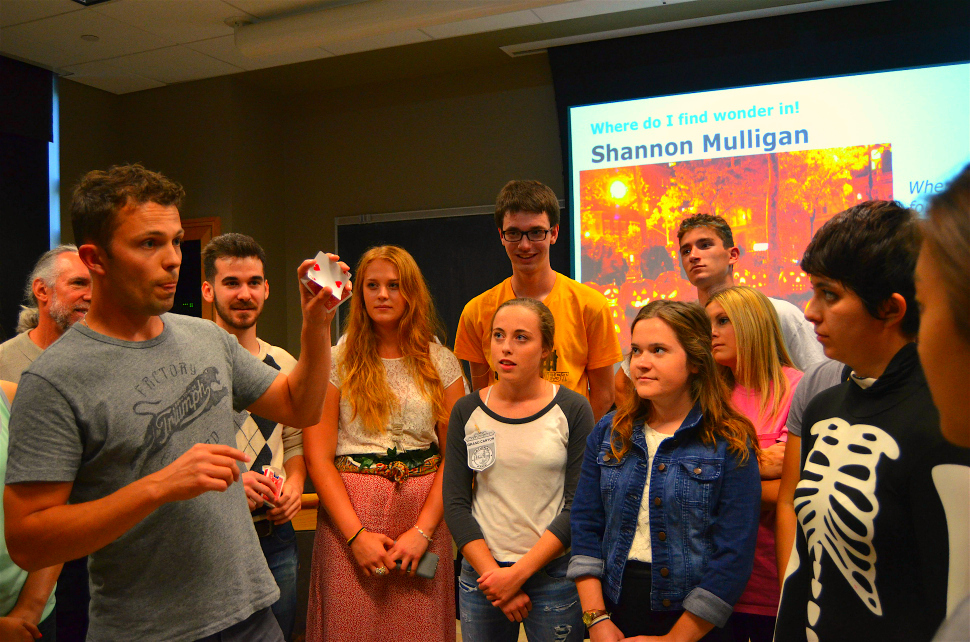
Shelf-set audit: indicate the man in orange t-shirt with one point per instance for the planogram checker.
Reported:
(586, 345)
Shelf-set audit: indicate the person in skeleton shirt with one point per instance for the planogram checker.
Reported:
(875, 554)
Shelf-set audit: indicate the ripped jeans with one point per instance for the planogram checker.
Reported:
(556, 614)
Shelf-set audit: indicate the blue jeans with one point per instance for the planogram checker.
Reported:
(279, 547)
(556, 614)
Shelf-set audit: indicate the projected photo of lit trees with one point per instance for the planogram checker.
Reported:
(773, 202)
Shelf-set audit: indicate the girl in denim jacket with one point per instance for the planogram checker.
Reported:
(665, 517)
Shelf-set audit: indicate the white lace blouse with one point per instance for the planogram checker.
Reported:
(412, 426)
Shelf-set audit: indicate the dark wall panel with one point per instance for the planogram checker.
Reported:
(460, 256)
(25, 131)
(24, 220)
(25, 100)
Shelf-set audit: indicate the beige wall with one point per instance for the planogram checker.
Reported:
(282, 167)
(89, 138)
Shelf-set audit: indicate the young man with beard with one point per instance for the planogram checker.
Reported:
(57, 295)
(235, 284)
(121, 429)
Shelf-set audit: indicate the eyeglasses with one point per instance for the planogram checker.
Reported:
(514, 236)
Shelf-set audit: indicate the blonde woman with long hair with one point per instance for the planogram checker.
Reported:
(374, 459)
(752, 359)
(665, 517)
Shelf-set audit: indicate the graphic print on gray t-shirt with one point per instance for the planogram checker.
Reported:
(102, 413)
(204, 392)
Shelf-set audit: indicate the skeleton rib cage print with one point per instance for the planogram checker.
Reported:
(836, 505)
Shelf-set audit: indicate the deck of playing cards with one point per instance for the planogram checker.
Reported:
(275, 476)
(326, 274)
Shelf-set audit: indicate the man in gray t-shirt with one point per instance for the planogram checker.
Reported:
(121, 428)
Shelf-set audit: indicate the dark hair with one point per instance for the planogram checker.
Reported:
(712, 221)
(230, 245)
(871, 249)
(99, 196)
(946, 234)
(526, 196)
(547, 323)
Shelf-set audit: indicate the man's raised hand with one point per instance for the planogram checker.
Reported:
(318, 304)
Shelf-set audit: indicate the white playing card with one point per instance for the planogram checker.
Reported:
(327, 274)
(339, 278)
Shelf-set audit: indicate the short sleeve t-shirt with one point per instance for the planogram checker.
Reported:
(586, 338)
(770, 430)
(821, 376)
(16, 354)
(799, 334)
(102, 413)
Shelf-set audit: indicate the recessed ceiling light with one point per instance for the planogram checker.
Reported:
(89, 37)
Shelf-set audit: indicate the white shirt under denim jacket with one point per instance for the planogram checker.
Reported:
(704, 509)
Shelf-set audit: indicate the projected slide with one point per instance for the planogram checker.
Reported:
(776, 161)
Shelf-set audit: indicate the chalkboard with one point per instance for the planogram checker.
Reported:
(459, 252)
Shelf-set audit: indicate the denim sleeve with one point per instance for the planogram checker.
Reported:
(580, 417)
(581, 565)
(456, 485)
(734, 531)
(588, 515)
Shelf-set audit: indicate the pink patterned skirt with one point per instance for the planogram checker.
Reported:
(347, 606)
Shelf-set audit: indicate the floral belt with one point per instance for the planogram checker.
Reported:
(396, 466)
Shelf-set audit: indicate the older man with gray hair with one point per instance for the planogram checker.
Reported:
(57, 295)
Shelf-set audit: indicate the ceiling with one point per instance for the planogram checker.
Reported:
(124, 46)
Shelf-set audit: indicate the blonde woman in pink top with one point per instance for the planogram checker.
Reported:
(750, 351)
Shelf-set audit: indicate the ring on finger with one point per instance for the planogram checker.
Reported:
(381, 570)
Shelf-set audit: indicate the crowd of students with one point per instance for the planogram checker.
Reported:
(754, 482)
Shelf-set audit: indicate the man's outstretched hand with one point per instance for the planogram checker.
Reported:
(202, 468)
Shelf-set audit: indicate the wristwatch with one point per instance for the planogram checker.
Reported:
(594, 616)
